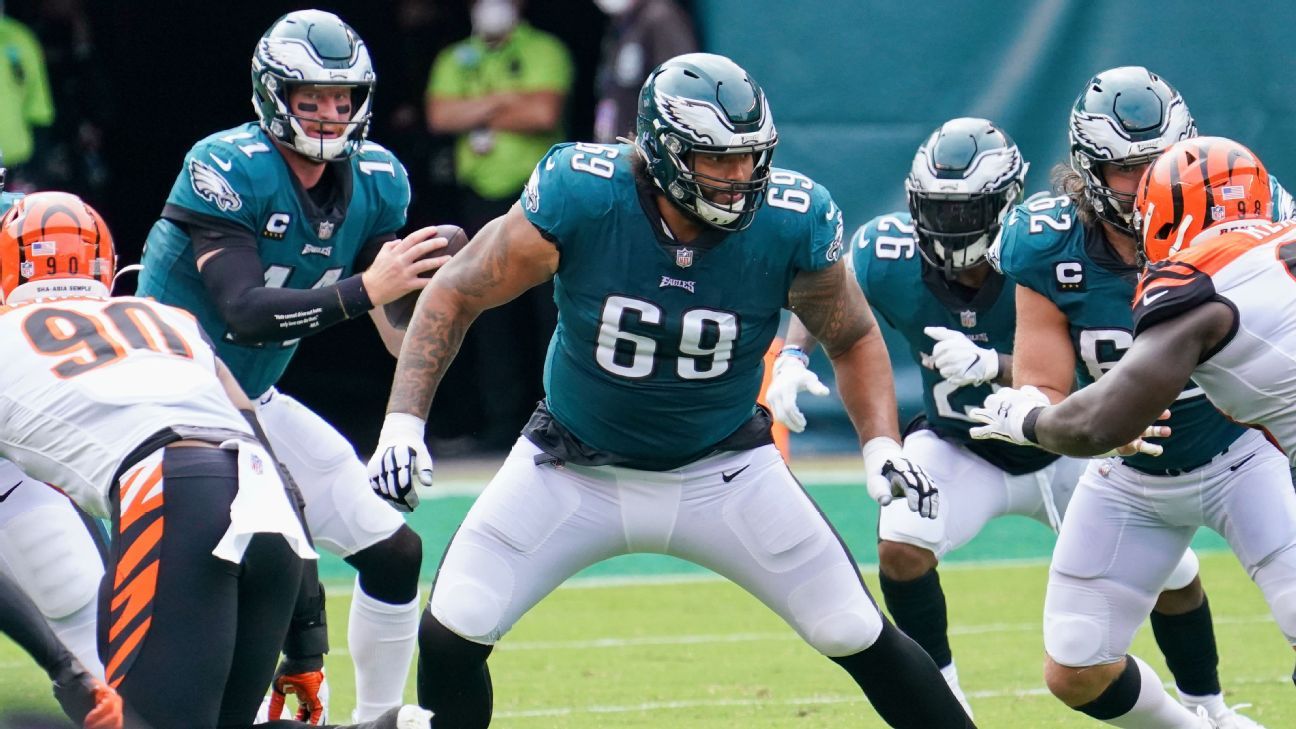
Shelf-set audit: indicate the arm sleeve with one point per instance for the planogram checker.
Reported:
(22, 621)
(256, 313)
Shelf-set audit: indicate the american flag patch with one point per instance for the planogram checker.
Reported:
(1232, 192)
(43, 248)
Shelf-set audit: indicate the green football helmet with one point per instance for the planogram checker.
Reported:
(964, 180)
(311, 47)
(1124, 117)
(700, 102)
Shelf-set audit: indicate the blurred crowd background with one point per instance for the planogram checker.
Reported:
(104, 98)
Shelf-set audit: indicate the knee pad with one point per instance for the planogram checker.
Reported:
(1184, 572)
(52, 556)
(1075, 629)
(389, 570)
(1277, 580)
(834, 614)
(470, 606)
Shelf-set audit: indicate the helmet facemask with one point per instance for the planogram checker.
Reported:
(690, 188)
(954, 231)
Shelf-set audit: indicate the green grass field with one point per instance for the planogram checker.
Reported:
(648, 641)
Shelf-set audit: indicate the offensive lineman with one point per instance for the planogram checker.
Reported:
(1073, 260)
(122, 402)
(924, 272)
(673, 256)
(261, 238)
(1219, 310)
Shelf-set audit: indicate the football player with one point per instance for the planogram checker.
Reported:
(273, 231)
(924, 271)
(1217, 311)
(1072, 258)
(123, 403)
(50, 549)
(672, 257)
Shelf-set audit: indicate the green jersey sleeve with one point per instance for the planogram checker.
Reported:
(571, 187)
(217, 181)
(391, 187)
(1032, 238)
(821, 220)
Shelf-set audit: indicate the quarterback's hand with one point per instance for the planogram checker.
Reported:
(889, 475)
(395, 270)
(959, 360)
(303, 678)
(1004, 413)
(790, 378)
(400, 461)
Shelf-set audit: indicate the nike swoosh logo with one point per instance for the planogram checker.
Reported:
(731, 476)
(1151, 296)
(226, 166)
(1241, 463)
(10, 491)
(549, 165)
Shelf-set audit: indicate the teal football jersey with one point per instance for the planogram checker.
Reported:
(909, 295)
(1045, 248)
(237, 178)
(658, 353)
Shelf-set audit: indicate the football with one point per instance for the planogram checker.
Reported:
(399, 311)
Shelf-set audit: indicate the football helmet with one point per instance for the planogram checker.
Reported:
(965, 178)
(1124, 116)
(700, 102)
(1196, 189)
(311, 47)
(53, 245)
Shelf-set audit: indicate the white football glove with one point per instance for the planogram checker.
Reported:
(889, 475)
(790, 378)
(1005, 411)
(959, 360)
(400, 461)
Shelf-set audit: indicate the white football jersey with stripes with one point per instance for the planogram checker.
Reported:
(86, 381)
(1251, 375)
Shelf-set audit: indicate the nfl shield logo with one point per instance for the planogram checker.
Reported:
(967, 319)
(684, 257)
(325, 229)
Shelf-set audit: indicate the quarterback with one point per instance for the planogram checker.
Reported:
(273, 231)
(1073, 258)
(1212, 305)
(671, 257)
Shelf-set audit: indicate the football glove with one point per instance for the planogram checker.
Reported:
(401, 461)
(303, 678)
(1004, 412)
(91, 703)
(959, 360)
(889, 475)
(791, 377)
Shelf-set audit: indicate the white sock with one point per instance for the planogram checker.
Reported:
(1155, 708)
(78, 632)
(950, 673)
(1214, 703)
(381, 637)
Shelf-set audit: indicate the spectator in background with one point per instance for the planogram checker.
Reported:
(25, 102)
(641, 35)
(71, 157)
(501, 91)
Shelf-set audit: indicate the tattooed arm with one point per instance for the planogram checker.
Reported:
(832, 308)
(504, 259)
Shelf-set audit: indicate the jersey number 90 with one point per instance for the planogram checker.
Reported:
(706, 340)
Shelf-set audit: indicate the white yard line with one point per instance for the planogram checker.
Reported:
(1009, 693)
